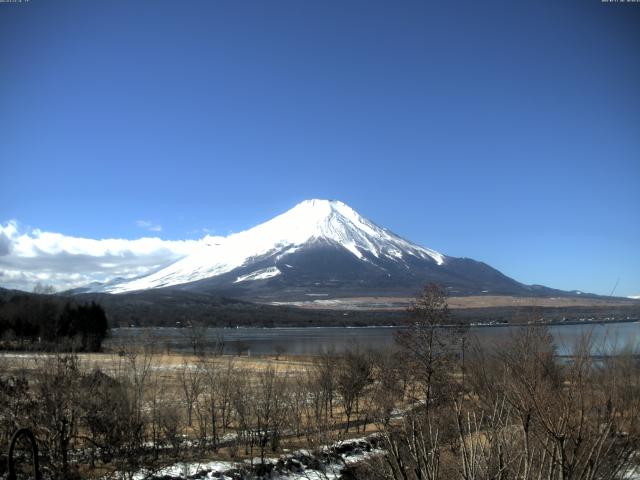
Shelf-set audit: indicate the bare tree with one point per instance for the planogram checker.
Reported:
(315, 387)
(270, 409)
(240, 347)
(242, 401)
(429, 353)
(326, 366)
(217, 344)
(109, 423)
(354, 375)
(195, 332)
(429, 346)
(57, 413)
(15, 405)
(190, 377)
(135, 367)
(214, 409)
(390, 384)
(569, 423)
(279, 351)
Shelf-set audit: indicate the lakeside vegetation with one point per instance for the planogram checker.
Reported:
(439, 407)
(51, 323)
(160, 308)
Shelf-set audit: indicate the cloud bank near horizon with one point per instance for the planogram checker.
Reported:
(32, 256)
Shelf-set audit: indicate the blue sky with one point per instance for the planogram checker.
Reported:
(504, 131)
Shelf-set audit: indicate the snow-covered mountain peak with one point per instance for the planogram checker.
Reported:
(316, 213)
(309, 222)
(320, 208)
(328, 219)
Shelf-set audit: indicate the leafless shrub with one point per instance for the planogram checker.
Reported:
(190, 376)
(57, 410)
(354, 374)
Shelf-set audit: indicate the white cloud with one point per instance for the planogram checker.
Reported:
(148, 225)
(32, 256)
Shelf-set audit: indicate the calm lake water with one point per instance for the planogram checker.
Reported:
(607, 338)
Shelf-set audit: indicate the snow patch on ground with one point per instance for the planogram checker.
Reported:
(633, 474)
(291, 466)
(184, 470)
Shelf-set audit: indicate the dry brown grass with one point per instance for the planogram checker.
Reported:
(107, 361)
(474, 301)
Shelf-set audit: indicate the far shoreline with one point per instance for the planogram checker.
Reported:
(465, 325)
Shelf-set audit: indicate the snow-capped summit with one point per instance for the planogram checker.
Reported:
(311, 222)
(321, 249)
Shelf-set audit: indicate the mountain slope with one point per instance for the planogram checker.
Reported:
(322, 248)
(307, 224)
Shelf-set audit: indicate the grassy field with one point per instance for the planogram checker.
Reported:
(168, 365)
(471, 301)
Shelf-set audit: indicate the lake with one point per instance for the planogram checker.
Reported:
(609, 337)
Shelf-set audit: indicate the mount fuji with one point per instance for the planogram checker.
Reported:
(322, 249)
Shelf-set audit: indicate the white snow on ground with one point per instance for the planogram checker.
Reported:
(185, 469)
(634, 297)
(633, 474)
(259, 274)
(307, 222)
(330, 472)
